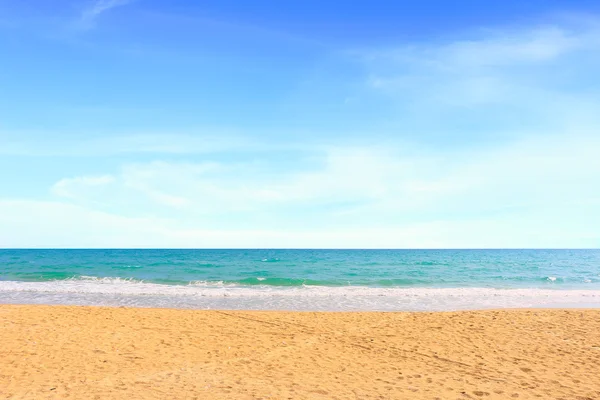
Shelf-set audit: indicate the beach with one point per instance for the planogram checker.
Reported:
(138, 353)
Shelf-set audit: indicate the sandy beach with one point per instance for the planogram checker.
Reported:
(124, 353)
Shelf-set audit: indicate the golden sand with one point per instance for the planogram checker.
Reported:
(49, 352)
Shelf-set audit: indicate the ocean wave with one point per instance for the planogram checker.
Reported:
(101, 280)
(223, 295)
(129, 286)
(127, 266)
(276, 282)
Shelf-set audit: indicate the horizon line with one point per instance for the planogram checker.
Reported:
(298, 248)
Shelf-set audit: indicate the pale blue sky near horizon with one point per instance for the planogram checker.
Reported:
(380, 124)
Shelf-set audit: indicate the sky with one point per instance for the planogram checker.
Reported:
(299, 124)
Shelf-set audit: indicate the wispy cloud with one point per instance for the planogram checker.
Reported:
(528, 68)
(374, 185)
(494, 48)
(491, 87)
(29, 144)
(64, 187)
(98, 7)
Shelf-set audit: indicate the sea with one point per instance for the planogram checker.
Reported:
(303, 280)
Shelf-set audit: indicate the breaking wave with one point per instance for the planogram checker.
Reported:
(89, 290)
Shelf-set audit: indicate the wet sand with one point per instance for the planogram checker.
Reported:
(49, 352)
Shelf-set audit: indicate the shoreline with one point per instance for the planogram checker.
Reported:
(308, 298)
(241, 310)
(122, 352)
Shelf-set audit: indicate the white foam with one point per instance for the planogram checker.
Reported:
(117, 291)
(102, 280)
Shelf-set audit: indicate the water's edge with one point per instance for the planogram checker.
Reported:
(333, 280)
(305, 298)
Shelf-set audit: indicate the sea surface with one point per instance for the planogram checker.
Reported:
(386, 280)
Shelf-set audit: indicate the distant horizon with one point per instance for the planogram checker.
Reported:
(294, 248)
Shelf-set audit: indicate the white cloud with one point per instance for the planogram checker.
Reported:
(346, 175)
(502, 49)
(98, 7)
(72, 187)
(90, 145)
(29, 223)
(494, 48)
(50, 224)
(538, 69)
(365, 187)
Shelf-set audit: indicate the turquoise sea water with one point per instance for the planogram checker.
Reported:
(302, 279)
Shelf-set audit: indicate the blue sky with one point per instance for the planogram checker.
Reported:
(379, 124)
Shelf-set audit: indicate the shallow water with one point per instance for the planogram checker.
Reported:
(303, 279)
